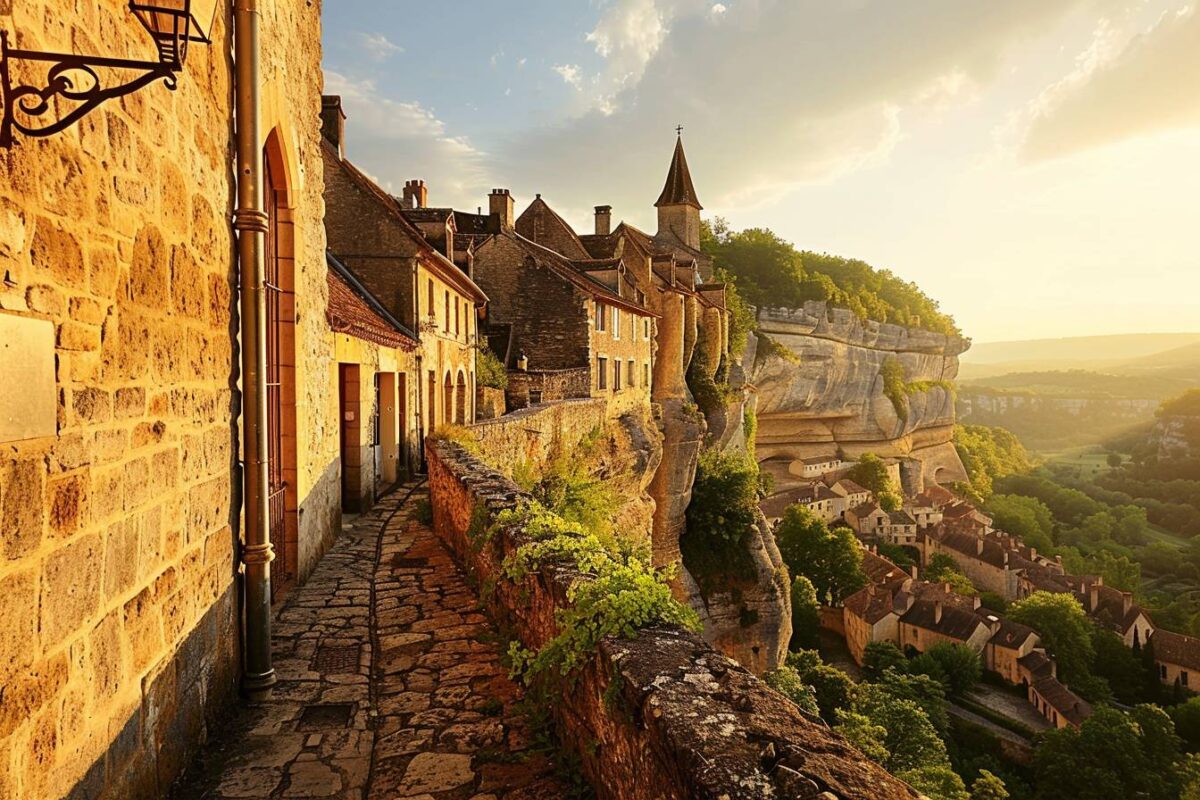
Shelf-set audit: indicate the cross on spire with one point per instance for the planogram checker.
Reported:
(679, 130)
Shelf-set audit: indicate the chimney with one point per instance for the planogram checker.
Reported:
(937, 612)
(603, 220)
(1099, 580)
(1094, 596)
(1126, 603)
(416, 194)
(913, 569)
(1033, 554)
(1006, 558)
(500, 206)
(979, 547)
(333, 122)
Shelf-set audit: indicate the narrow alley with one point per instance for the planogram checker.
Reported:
(390, 685)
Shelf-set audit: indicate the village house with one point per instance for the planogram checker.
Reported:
(872, 614)
(925, 513)
(853, 495)
(173, 468)
(866, 519)
(1112, 608)
(1176, 658)
(899, 529)
(417, 283)
(815, 467)
(1009, 643)
(1058, 704)
(936, 614)
(375, 354)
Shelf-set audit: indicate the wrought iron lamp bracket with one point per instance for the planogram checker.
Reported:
(32, 109)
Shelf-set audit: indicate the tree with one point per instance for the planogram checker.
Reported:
(832, 687)
(1113, 460)
(1119, 666)
(788, 683)
(1064, 628)
(989, 454)
(936, 782)
(878, 657)
(869, 738)
(928, 693)
(960, 665)
(871, 473)
(993, 602)
(1111, 755)
(1025, 517)
(912, 741)
(830, 559)
(988, 787)
(944, 569)
(806, 615)
(1186, 717)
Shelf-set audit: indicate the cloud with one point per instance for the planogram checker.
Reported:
(570, 75)
(1150, 85)
(718, 9)
(378, 47)
(772, 93)
(384, 134)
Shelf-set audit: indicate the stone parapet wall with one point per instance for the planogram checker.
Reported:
(533, 435)
(533, 386)
(659, 716)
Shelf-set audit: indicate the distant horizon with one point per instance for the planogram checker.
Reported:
(975, 342)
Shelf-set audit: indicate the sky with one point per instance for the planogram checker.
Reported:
(1033, 165)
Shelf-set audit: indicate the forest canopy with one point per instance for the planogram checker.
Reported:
(771, 272)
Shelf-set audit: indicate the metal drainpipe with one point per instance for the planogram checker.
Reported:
(250, 221)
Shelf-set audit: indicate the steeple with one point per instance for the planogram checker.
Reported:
(679, 189)
(678, 207)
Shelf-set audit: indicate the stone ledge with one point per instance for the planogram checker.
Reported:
(662, 715)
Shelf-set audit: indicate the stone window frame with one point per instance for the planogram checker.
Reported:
(646, 373)
(646, 328)
(616, 322)
(601, 373)
(630, 374)
(446, 325)
(601, 321)
(616, 382)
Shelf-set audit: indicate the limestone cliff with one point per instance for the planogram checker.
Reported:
(819, 376)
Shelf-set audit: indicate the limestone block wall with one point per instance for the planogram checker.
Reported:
(118, 626)
(533, 435)
(547, 384)
(662, 715)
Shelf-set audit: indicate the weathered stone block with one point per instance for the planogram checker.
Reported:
(106, 660)
(77, 336)
(92, 405)
(31, 689)
(120, 559)
(58, 253)
(68, 504)
(21, 517)
(18, 636)
(45, 300)
(70, 587)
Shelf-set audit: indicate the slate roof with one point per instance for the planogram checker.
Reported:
(352, 310)
(541, 224)
(879, 569)
(875, 602)
(1069, 705)
(850, 487)
(901, 518)
(956, 623)
(1011, 634)
(1175, 648)
(1038, 663)
(678, 189)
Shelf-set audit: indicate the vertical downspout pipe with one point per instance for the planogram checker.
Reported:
(250, 221)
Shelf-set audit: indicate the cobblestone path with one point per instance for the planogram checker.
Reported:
(390, 685)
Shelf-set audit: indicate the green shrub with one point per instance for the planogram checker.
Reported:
(788, 683)
(457, 434)
(489, 371)
(894, 377)
(720, 519)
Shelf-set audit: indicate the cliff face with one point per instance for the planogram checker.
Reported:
(819, 374)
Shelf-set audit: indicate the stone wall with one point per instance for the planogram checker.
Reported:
(546, 385)
(489, 402)
(533, 435)
(662, 715)
(118, 626)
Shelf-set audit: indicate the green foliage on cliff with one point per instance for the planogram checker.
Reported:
(741, 315)
(618, 595)
(488, 369)
(772, 272)
(768, 348)
(459, 435)
(871, 473)
(892, 372)
(830, 558)
(988, 454)
(1185, 405)
(720, 520)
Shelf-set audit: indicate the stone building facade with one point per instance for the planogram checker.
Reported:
(119, 632)
(424, 290)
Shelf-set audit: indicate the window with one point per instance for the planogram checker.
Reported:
(1162, 671)
(429, 310)
(616, 375)
(601, 317)
(629, 373)
(1183, 677)
(446, 325)
(645, 374)
(646, 328)
(633, 320)
(457, 315)
(616, 322)
(601, 372)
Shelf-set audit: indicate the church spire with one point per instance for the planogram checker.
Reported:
(679, 190)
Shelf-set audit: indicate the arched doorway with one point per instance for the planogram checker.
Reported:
(448, 400)
(460, 399)
(281, 367)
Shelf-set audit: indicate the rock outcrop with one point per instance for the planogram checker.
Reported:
(818, 373)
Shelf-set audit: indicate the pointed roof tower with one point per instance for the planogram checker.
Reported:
(679, 190)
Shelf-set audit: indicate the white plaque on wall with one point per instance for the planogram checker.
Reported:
(28, 405)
